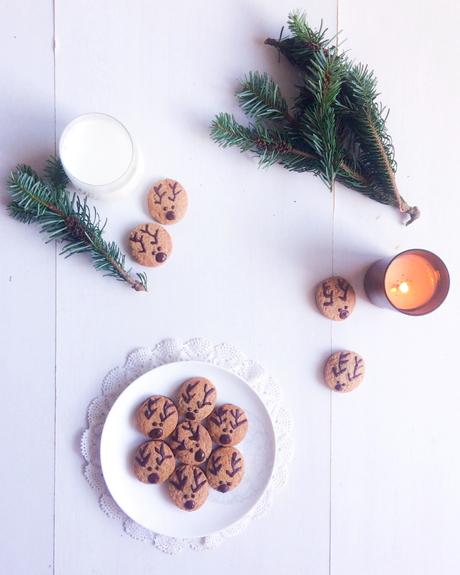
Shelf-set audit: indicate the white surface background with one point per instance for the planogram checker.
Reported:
(375, 487)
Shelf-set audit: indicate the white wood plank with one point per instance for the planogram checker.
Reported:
(395, 477)
(246, 258)
(27, 296)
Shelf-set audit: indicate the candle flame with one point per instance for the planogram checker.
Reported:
(403, 287)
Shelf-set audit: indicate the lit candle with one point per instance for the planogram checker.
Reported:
(414, 282)
(98, 155)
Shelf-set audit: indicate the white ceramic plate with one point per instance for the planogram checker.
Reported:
(149, 505)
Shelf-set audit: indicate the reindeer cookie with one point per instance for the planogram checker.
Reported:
(191, 443)
(197, 397)
(228, 424)
(153, 462)
(225, 469)
(335, 298)
(167, 201)
(157, 417)
(344, 371)
(150, 244)
(188, 487)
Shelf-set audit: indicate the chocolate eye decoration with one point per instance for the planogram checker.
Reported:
(165, 208)
(149, 468)
(225, 429)
(231, 430)
(193, 496)
(156, 467)
(195, 411)
(161, 424)
(173, 207)
(191, 450)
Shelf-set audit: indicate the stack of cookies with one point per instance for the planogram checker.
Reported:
(200, 436)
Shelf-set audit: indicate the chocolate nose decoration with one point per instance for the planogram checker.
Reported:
(156, 433)
(161, 257)
(225, 439)
(200, 456)
(189, 504)
(223, 488)
(170, 215)
(190, 415)
(153, 478)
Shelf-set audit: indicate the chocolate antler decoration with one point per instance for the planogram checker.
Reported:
(328, 294)
(218, 416)
(180, 444)
(188, 396)
(214, 465)
(150, 408)
(149, 233)
(196, 485)
(181, 479)
(355, 374)
(340, 367)
(194, 435)
(207, 392)
(143, 457)
(161, 452)
(344, 286)
(159, 197)
(237, 421)
(235, 460)
(168, 410)
(138, 240)
(173, 191)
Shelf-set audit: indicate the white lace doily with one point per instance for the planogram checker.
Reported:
(168, 351)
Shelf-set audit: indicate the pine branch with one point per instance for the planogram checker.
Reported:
(67, 219)
(336, 129)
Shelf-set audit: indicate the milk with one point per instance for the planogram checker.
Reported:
(98, 155)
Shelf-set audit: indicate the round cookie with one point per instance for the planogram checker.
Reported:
(197, 398)
(150, 244)
(188, 487)
(157, 417)
(228, 424)
(225, 469)
(344, 371)
(191, 443)
(335, 298)
(153, 462)
(167, 201)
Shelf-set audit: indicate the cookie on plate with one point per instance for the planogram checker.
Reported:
(150, 244)
(344, 371)
(225, 469)
(335, 298)
(153, 462)
(197, 398)
(191, 443)
(167, 201)
(157, 417)
(228, 424)
(188, 487)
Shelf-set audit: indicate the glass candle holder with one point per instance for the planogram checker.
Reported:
(414, 282)
(99, 155)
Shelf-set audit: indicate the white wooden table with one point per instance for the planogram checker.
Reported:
(375, 487)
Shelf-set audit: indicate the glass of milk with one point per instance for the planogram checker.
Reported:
(99, 155)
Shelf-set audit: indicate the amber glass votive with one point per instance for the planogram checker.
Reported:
(414, 282)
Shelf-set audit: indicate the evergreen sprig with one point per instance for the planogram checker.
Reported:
(336, 128)
(66, 218)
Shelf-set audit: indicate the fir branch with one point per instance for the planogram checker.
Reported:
(268, 144)
(336, 129)
(261, 98)
(67, 219)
